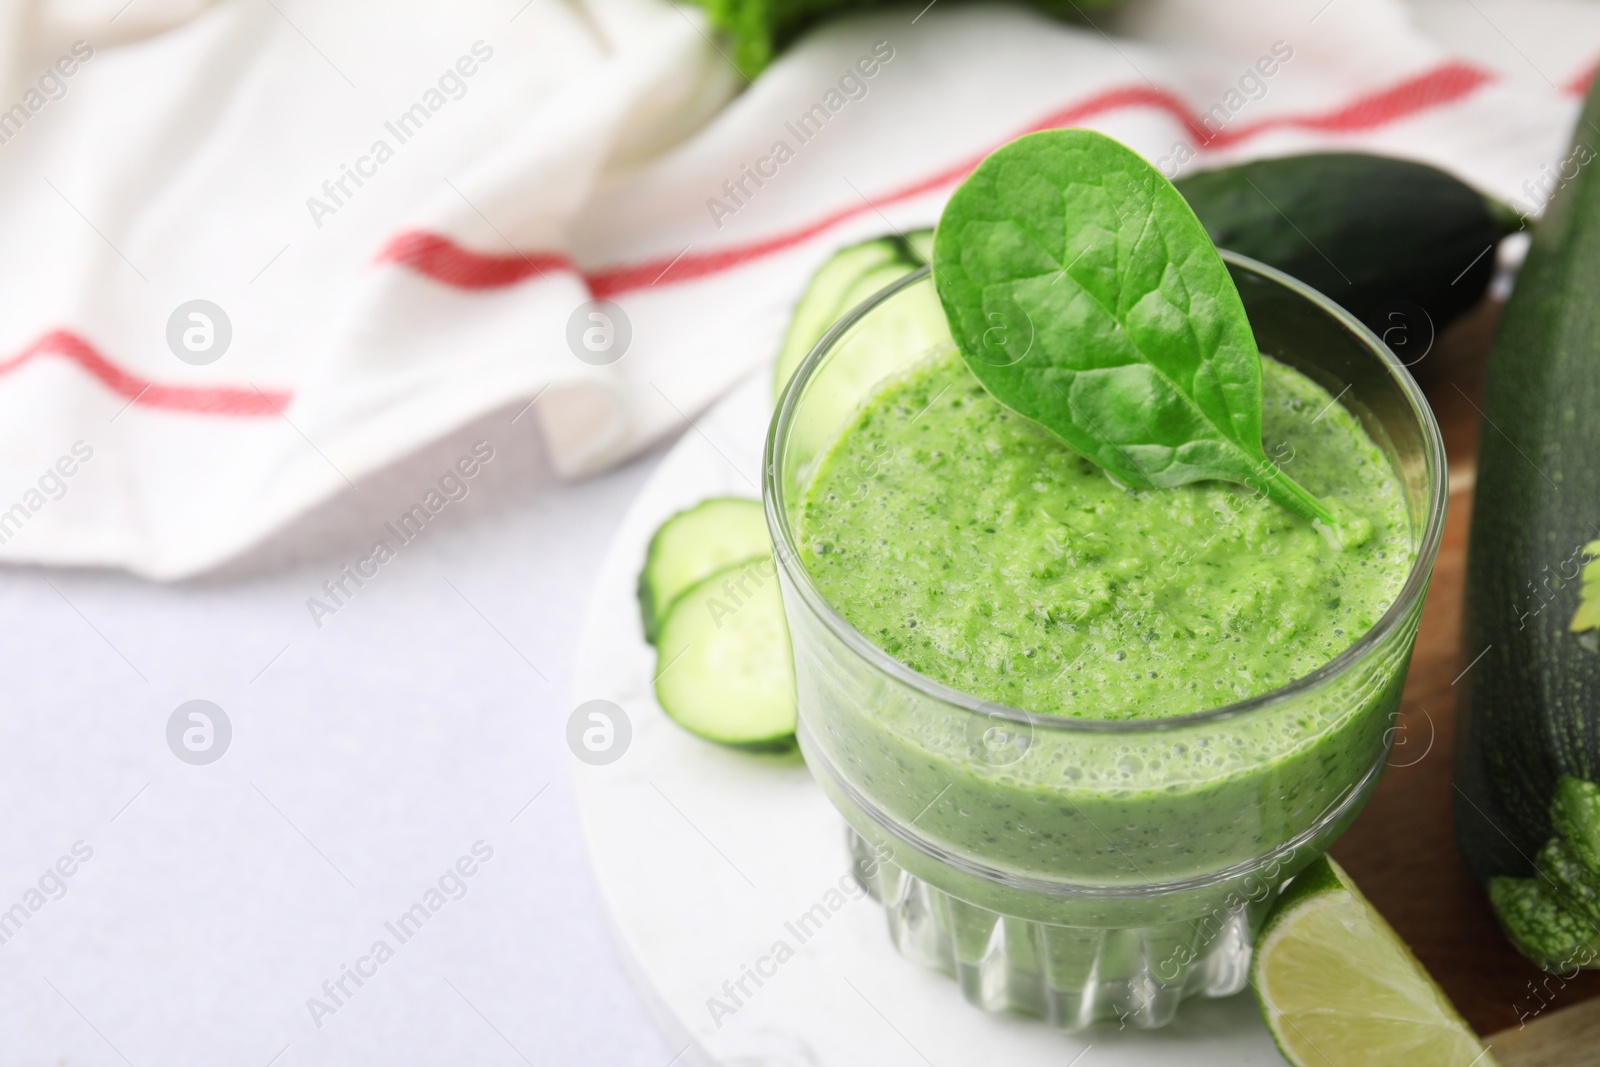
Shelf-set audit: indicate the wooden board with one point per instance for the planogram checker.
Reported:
(1561, 1038)
(1402, 850)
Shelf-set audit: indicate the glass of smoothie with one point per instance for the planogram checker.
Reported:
(1082, 734)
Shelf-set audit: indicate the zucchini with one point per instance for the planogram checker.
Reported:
(848, 277)
(692, 545)
(724, 669)
(1367, 231)
(1527, 815)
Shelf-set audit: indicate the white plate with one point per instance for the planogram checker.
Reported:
(704, 854)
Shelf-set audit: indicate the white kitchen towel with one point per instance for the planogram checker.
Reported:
(251, 251)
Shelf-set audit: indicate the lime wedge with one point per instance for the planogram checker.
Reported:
(1337, 985)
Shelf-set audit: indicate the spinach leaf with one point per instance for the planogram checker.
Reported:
(1084, 294)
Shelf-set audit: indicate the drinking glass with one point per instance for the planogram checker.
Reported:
(1134, 859)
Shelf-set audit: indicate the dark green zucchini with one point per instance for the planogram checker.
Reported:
(1528, 742)
(1380, 236)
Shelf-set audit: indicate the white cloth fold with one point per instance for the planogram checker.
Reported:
(400, 212)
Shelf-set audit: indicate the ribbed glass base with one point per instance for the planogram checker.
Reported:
(1070, 976)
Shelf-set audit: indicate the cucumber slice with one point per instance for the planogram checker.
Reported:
(692, 545)
(904, 330)
(723, 667)
(849, 277)
(921, 244)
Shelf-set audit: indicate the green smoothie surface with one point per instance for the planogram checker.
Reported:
(974, 546)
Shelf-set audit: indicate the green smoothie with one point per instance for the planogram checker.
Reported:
(971, 544)
(975, 547)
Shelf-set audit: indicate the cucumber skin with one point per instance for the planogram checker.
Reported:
(1366, 230)
(647, 612)
(1530, 708)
